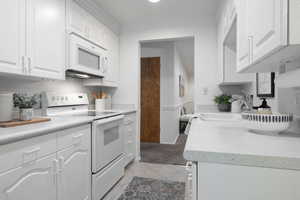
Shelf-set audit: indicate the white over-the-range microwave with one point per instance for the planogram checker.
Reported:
(86, 57)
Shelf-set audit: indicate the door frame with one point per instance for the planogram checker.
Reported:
(139, 49)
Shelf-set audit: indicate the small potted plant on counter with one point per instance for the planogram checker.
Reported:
(25, 104)
(224, 102)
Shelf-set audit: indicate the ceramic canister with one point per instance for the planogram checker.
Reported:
(100, 105)
(6, 107)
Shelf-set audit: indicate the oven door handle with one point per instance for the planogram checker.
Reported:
(108, 120)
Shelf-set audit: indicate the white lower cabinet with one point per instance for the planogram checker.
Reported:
(34, 181)
(221, 181)
(54, 166)
(74, 170)
(130, 140)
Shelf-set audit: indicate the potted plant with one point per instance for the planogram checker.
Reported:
(224, 102)
(25, 104)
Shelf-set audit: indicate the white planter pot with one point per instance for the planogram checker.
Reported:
(6, 107)
(26, 114)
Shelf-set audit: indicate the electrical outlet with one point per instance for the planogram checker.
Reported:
(297, 101)
(204, 91)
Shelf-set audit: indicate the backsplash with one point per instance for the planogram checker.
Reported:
(289, 101)
(37, 86)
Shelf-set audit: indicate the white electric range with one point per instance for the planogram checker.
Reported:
(107, 139)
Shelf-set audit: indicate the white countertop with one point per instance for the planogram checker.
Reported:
(14, 134)
(125, 111)
(231, 143)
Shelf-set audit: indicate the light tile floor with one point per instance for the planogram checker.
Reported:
(147, 170)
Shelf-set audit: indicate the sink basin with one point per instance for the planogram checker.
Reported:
(220, 116)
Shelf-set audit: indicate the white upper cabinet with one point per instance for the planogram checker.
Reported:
(46, 46)
(34, 181)
(243, 40)
(77, 19)
(85, 24)
(112, 69)
(268, 34)
(81, 22)
(33, 39)
(265, 20)
(12, 36)
(230, 50)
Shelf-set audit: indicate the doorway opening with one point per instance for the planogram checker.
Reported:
(167, 98)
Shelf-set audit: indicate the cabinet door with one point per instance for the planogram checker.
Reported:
(266, 26)
(112, 72)
(75, 172)
(12, 36)
(34, 181)
(77, 21)
(243, 48)
(47, 38)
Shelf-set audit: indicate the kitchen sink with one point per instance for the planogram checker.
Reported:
(220, 116)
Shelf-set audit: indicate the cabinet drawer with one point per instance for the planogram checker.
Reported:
(128, 129)
(73, 137)
(130, 119)
(102, 182)
(26, 151)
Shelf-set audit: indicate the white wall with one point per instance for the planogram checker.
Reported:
(164, 50)
(206, 73)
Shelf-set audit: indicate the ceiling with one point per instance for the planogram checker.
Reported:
(140, 12)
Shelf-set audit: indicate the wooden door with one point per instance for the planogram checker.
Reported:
(150, 100)
(32, 181)
(12, 36)
(46, 38)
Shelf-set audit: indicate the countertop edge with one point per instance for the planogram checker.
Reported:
(243, 160)
(36, 133)
(128, 111)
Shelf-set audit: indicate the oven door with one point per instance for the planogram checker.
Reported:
(86, 57)
(107, 141)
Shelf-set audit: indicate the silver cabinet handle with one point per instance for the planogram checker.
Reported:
(29, 64)
(55, 171)
(61, 161)
(23, 64)
(250, 41)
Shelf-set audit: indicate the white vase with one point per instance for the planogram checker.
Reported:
(236, 107)
(26, 114)
(6, 107)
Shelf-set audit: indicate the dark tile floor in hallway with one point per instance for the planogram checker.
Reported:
(164, 153)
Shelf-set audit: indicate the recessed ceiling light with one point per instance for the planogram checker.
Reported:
(154, 1)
